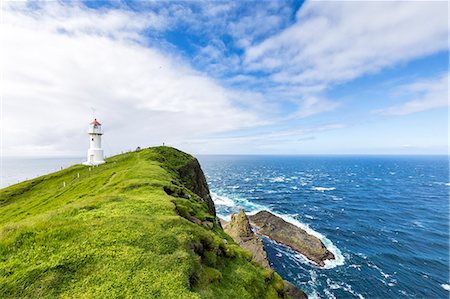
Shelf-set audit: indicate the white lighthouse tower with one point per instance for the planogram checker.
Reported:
(95, 151)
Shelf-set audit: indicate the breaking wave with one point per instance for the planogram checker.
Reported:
(222, 200)
(322, 189)
(252, 208)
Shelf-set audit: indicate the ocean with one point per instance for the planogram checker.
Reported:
(385, 218)
(15, 169)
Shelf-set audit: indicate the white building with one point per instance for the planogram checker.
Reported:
(95, 151)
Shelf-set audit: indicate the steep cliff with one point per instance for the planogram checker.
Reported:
(240, 230)
(141, 225)
(190, 172)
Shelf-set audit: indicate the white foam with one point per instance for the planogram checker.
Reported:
(335, 198)
(278, 179)
(348, 288)
(339, 258)
(329, 294)
(222, 200)
(253, 208)
(355, 266)
(227, 218)
(322, 189)
(445, 287)
(418, 223)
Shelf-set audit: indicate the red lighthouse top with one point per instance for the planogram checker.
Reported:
(95, 122)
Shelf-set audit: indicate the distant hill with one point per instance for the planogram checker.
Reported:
(142, 225)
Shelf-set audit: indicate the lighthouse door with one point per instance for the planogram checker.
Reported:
(91, 158)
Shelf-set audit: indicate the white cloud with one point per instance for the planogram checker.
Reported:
(426, 95)
(334, 42)
(313, 105)
(59, 61)
(272, 141)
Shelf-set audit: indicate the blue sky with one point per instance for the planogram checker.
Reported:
(263, 77)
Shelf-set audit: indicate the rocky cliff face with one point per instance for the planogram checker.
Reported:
(292, 236)
(293, 291)
(241, 232)
(194, 178)
(189, 171)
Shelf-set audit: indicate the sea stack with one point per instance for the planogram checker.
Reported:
(240, 230)
(290, 235)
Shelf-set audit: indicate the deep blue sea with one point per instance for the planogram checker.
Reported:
(385, 218)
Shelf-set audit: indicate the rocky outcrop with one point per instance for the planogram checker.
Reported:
(240, 230)
(293, 291)
(288, 234)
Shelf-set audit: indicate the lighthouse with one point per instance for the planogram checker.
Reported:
(95, 151)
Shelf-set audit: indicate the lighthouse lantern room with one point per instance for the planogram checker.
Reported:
(95, 151)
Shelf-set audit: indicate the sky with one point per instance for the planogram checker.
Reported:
(241, 77)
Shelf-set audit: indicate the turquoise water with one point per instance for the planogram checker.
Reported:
(386, 218)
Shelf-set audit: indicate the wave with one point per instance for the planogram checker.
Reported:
(445, 286)
(322, 189)
(222, 200)
(329, 264)
(252, 208)
(333, 285)
(234, 187)
(278, 179)
(335, 198)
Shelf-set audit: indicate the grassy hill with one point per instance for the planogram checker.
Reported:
(137, 226)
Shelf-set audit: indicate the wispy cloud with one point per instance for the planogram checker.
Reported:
(186, 73)
(334, 42)
(424, 95)
(61, 60)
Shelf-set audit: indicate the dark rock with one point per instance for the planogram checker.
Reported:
(240, 230)
(288, 234)
(194, 178)
(293, 291)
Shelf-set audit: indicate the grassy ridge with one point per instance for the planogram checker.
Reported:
(114, 231)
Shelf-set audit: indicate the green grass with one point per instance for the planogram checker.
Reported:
(114, 231)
